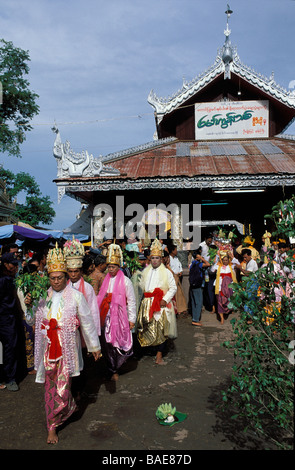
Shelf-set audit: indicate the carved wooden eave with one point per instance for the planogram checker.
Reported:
(74, 188)
(186, 165)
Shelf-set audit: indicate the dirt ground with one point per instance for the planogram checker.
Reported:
(121, 416)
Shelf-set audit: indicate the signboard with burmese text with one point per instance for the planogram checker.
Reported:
(231, 120)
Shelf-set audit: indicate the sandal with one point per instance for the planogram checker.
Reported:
(12, 386)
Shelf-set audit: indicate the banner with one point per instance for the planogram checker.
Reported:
(231, 120)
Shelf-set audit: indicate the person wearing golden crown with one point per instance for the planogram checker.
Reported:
(58, 355)
(225, 275)
(74, 253)
(248, 243)
(156, 321)
(117, 307)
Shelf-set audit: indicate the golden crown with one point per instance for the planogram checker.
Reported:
(156, 248)
(115, 255)
(55, 261)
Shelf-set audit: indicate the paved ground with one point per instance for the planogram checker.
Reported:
(121, 416)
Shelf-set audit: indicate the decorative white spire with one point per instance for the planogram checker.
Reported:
(228, 12)
(227, 52)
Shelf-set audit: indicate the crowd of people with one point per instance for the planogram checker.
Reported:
(219, 263)
(110, 302)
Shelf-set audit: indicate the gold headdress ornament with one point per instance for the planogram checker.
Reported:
(249, 240)
(55, 261)
(266, 238)
(222, 253)
(74, 253)
(114, 255)
(156, 248)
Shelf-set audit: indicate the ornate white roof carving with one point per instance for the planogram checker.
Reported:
(71, 164)
(199, 182)
(164, 106)
(227, 61)
(285, 136)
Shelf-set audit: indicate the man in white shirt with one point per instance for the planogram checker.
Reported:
(156, 321)
(176, 266)
(251, 265)
(205, 247)
(77, 281)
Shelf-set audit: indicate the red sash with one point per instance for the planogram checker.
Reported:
(158, 296)
(104, 308)
(55, 351)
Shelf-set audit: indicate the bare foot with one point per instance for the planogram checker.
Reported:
(159, 359)
(115, 377)
(52, 437)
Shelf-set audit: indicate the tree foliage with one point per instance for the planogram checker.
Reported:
(37, 208)
(34, 284)
(18, 101)
(262, 384)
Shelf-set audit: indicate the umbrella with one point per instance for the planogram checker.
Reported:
(157, 216)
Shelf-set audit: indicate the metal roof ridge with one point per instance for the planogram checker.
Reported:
(284, 136)
(139, 148)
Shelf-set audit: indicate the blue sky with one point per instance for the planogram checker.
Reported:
(93, 64)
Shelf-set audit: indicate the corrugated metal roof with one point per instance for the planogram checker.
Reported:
(272, 156)
(227, 148)
(267, 148)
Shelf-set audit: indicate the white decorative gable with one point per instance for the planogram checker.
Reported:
(227, 61)
(71, 164)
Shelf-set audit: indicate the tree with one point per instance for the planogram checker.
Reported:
(37, 208)
(18, 101)
(262, 384)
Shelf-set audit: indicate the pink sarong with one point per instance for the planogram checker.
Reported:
(59, 402)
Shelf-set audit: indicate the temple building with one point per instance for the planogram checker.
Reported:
(220, 143)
